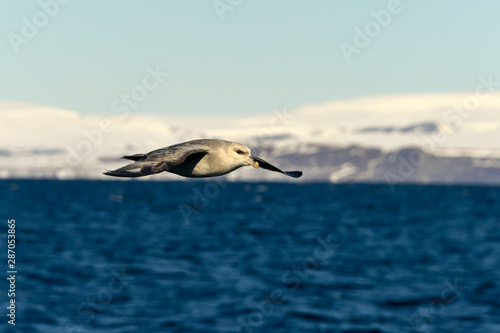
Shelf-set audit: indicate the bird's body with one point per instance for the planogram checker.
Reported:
(196, 158)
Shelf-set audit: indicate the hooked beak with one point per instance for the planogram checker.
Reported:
(252, 162)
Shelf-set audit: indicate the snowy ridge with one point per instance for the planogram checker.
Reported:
(425, 138)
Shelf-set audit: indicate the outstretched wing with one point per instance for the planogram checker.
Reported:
(265, 165)
(156, 161)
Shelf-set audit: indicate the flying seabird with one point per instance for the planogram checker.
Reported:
(197, 159)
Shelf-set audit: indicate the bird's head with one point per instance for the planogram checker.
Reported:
(241, 155)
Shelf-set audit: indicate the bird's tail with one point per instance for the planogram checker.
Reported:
(137, 169)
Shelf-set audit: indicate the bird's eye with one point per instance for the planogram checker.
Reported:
(239, 151)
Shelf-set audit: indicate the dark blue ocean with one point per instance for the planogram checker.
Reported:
(134, 256)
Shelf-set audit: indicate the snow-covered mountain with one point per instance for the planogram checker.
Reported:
(426, 138)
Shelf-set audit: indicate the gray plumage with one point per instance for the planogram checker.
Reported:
(197, 158)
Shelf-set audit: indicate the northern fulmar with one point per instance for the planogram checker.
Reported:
(197, 159)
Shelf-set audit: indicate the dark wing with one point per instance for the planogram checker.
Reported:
(156, 161)
(135, 157)
(265, 165)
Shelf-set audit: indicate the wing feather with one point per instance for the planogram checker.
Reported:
(268, 166)
(158, 161)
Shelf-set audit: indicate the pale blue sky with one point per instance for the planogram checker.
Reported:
(264, 55)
